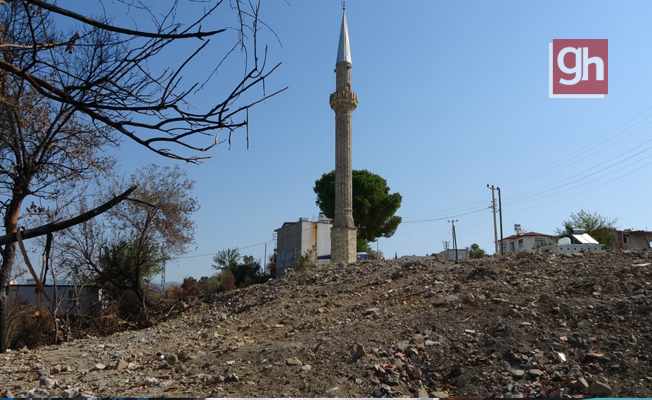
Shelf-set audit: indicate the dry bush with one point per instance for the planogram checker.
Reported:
(174, 293)
(228, 281)
(26, 328)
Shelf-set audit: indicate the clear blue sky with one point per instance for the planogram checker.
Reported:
(453, 96)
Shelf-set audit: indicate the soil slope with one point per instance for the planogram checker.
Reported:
(511, 326)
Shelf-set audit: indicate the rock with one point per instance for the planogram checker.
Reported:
(293, 361)
(371, 311)
(378, 393)
(232, 378)
(183, 356)
(392, 378)
(55, 369)
(579, 384)
(71, 393)
(440, 395)
(173, 359)
(358, 351)
(306, 368)
(422, 393)
(98, 367)
(46, 383)
(518, 373)
(121, 365)
(599, 389)
(544, 298)
(452, 298)
(535, 373)
(150, 381)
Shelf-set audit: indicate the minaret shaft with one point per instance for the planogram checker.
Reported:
(343, 102)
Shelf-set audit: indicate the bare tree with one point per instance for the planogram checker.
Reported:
(110, 74)
(126, 247)
(69, 81)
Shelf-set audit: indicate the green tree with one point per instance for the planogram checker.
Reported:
(226, 259)
(127, 265)
(373, 206)
(476, 252)
(601, 228)
(246, 272)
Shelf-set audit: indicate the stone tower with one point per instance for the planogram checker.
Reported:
(343, 102)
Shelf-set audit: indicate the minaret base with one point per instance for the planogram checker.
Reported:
(343, 244)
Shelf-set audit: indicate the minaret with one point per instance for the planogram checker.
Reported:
(343, 102)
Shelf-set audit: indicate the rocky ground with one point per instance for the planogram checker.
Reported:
(511, 326)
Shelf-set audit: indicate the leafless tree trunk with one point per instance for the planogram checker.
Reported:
(65, 92)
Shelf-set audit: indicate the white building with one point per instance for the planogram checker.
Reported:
(72, 300)
(525, 241)
(298, 238)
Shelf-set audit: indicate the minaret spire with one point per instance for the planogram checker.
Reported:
(343, 102)
(344, 50)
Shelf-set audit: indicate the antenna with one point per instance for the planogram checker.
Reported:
(344, 6)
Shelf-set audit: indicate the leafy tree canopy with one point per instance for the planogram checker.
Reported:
(373, 206)
(476, 252)
(226, 259)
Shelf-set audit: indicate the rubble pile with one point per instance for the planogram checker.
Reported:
(526, 325)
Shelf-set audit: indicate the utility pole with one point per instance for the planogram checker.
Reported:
(454, 237)
(265, 260)
(163, 279)
(445, 242)
(500, 210)
(493, 207)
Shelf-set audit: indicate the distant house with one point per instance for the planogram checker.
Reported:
(296, 238)
(450, 254)
(629, 239)
(72, 299)
(525, 241)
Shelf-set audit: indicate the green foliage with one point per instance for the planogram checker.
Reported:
(305, 261)
(246, 272)
(599, 227)
(126, 265)
(226, 259)
(212, 284)
(362, 245)
(373, 206)
(476, 252)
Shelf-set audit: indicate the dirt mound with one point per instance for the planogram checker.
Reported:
(512, 326)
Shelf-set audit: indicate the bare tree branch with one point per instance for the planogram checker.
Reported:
(60, 225)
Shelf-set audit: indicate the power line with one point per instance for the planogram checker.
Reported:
(443, 218)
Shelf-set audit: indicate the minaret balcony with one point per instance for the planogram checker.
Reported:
(344, 100)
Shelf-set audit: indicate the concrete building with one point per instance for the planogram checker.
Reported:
(449, 254)
(343, 102)
(295, 238)
(72, 300)
(523, 241)
(630, 239)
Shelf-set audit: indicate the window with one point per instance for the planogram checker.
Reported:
(520, 244)
(625, 239)
(540, 241)
(511, 247)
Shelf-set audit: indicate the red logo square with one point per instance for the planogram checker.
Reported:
(580, 66)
